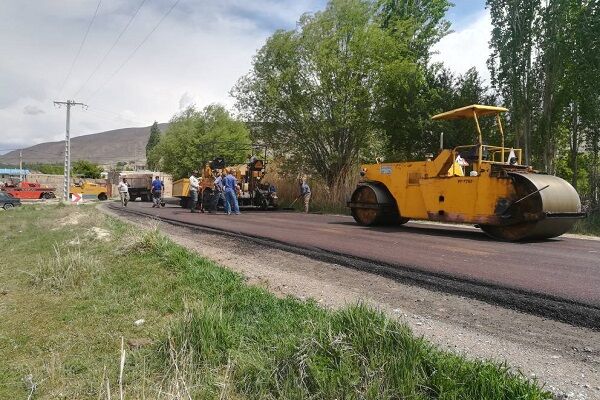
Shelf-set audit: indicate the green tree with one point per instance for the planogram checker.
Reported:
(196, 137)
(86, 169)
(511, 67)
(317, 91)
(153, 140)
(447, 92)
(51, 169)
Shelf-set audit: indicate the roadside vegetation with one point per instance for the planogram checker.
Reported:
(74, 281)
(588, 226)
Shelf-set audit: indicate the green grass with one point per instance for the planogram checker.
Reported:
(70, 297)
(588, 226)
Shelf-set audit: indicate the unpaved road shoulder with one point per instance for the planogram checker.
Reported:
(565, 358)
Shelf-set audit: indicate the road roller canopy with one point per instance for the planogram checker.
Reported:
(469, 112)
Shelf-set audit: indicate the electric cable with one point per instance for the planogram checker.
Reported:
(110, 50)
(80, 48)
(134, 51)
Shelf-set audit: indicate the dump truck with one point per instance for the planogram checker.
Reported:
(253, 193)
(480, 184)
(29, 190)
(140, 185)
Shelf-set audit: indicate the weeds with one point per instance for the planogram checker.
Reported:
(589, 225)
(65, 269)
(214, 337)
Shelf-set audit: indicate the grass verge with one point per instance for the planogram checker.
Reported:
(589, 225)
(74, 282)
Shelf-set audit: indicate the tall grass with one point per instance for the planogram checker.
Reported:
(324, 198)
(589, 225)
(66, 268)
(211, 336)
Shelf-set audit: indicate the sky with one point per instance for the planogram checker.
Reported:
(192, 54)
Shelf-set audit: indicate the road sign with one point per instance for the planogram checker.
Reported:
(76, 198)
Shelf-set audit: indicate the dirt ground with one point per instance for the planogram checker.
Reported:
(566, 359)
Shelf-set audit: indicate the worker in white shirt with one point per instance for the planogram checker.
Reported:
(123, 189)
(194, 187)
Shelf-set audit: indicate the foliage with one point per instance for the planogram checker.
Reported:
(196, 137)
(86, 169)
(544, 63)
(153, 140)
(510, 63)
(425, 20)
(325, 92)
(50, 169)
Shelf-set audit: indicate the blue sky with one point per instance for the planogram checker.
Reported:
(194, 57)
(464, 11)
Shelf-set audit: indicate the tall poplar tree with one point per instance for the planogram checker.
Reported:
(511, 62)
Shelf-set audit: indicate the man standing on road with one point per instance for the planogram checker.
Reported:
(194, 187)
(219, 192)
(123, 189)
(157, 188)
(305, 193)
(231, 188)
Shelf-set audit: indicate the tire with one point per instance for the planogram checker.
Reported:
(374, 205)
(8, 206)
(102, 197)
(146, 198)
(47, 196)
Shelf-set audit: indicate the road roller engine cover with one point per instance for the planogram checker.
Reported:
(476, 184)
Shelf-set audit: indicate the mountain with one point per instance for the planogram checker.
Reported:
(110, 147)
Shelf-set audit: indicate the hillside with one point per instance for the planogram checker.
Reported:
(126, 144)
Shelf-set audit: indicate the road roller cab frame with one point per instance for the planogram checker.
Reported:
(475, 184)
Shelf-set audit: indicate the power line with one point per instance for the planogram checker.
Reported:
(135, 50)
(111, 48)
(80, 47)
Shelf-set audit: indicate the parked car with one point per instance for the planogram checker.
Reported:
(7, 201)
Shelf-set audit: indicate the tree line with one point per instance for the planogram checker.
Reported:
(355, 81)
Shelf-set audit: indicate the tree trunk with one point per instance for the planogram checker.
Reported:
(594, 173)
(574, 145)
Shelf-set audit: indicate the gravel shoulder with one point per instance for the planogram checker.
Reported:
(563, 357)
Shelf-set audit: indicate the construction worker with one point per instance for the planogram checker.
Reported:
(157, 188)
(305, 193)
(123, 189)
(219, 192)
(231, 189)
(194, 187)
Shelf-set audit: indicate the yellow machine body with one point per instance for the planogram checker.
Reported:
(90, 190)
(476, 184)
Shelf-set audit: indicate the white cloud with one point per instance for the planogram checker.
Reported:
(468, 47)
(32, 110)
(196, 55)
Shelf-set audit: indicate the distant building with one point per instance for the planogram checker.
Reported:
(7, 173)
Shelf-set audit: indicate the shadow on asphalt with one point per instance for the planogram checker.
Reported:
(439, 232)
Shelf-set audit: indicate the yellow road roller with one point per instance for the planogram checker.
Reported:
(473, 184)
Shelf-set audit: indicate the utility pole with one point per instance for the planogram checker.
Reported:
(67, 176)
(21, 165)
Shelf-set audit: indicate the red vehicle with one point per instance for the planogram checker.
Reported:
(29, 190)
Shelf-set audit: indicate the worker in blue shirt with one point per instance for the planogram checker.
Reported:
(231, 188)
(157, 188)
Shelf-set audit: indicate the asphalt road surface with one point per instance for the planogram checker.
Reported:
(562, 268)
